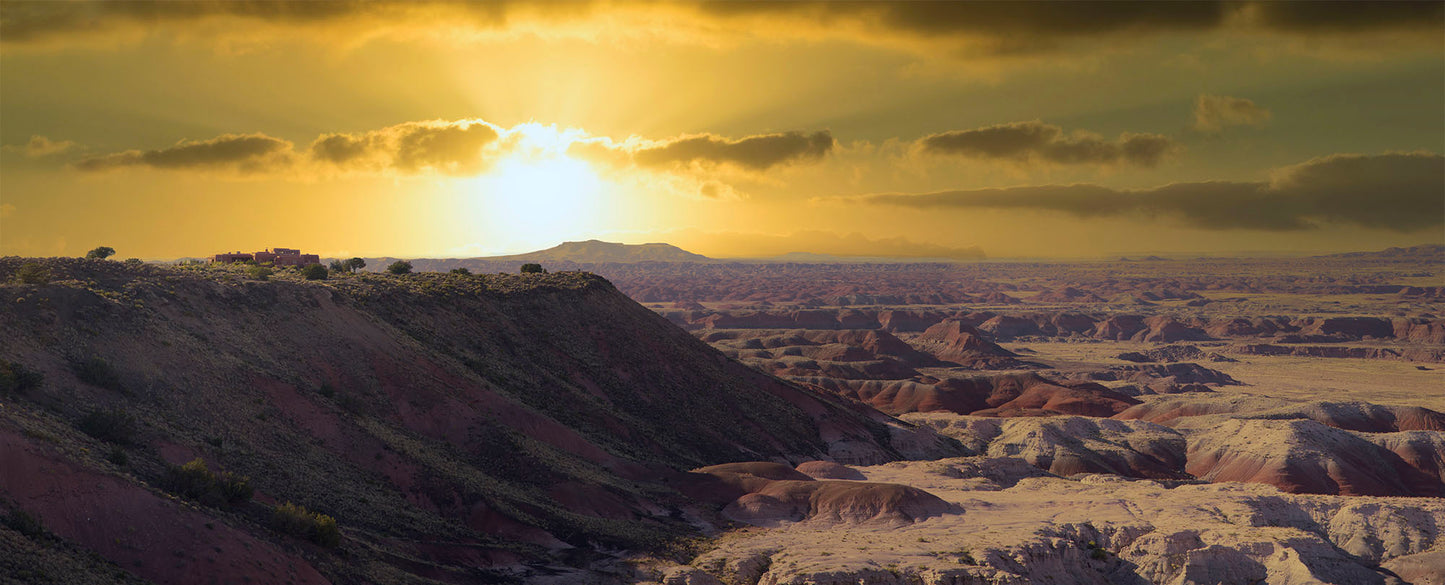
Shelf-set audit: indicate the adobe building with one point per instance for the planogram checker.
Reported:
(275, 256)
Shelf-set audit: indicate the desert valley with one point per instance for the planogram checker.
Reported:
(1130, 421)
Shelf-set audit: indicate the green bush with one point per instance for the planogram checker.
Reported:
(289, 518)
(118, 456)
(462, 271)
(134, 262)
(97, 372)
(14, 378)
(532, 268)
(355, 264)
(193, 480)
(314, 272)
(33, 273)
(399, 267)
(100, 253)
(260, 272)
(22, 522)
(109, 425)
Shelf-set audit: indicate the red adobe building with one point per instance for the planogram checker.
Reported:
(275, 256)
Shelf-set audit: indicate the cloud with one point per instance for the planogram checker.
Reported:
(470, 147)
(1331, 16)
(40, 146)
(246, 153)
(758, 152)
(1035, 141)
(447, 147)
(1213, 112)
(1398, 191)
(962, 28)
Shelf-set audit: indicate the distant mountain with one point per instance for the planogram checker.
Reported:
(815, 258)
(1435, 252)
(597, 251)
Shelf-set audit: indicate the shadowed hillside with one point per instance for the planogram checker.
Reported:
(446, 422)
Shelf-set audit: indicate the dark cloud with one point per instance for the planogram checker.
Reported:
(240, 152)
(1000, 18)
(1039, 142)
(1010, 26)
(1330, 16)
(758, 152)
(1213, 112)
(448, 147)
(1399, 192)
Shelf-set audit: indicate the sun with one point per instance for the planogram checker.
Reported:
(536, 200)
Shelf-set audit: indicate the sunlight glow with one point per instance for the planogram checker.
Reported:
(538, 196)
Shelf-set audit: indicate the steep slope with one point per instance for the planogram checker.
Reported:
(446, 422)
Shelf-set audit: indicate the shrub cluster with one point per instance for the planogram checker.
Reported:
(399, 267)
(22, 522)
(97, 372)
(32, 273)
(109, 425)
(14, 378)
(314, 272)
(193, 480)
(296, 520)
(259, 272)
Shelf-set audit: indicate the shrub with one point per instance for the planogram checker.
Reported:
(399, 267)
(109, 425)
(289, 518)
(100, 253)
(260, 272)
(97, 372)
(193, 480)
(532, 268)
(33, 273)
(22, 522)
(134, 262)
(314, 272)
(337, 266)
(462, 271)
(118, 456)
(14, 378)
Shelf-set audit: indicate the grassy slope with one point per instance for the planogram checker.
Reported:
(446, 421)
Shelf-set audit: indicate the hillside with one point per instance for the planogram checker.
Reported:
(446, 422)
(566, 256)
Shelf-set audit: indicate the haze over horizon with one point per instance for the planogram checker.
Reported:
(726, 129)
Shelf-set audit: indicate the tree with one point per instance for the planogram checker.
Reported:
(101, 253)
(463, 271)
(533, 268)
(339, 266)
(355, 264)
(314, 272)
(399, 267)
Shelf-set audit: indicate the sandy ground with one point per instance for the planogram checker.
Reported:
(1336, 379)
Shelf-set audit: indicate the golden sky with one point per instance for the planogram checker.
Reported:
(1055, 129)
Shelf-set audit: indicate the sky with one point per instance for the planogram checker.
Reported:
(939, 130)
